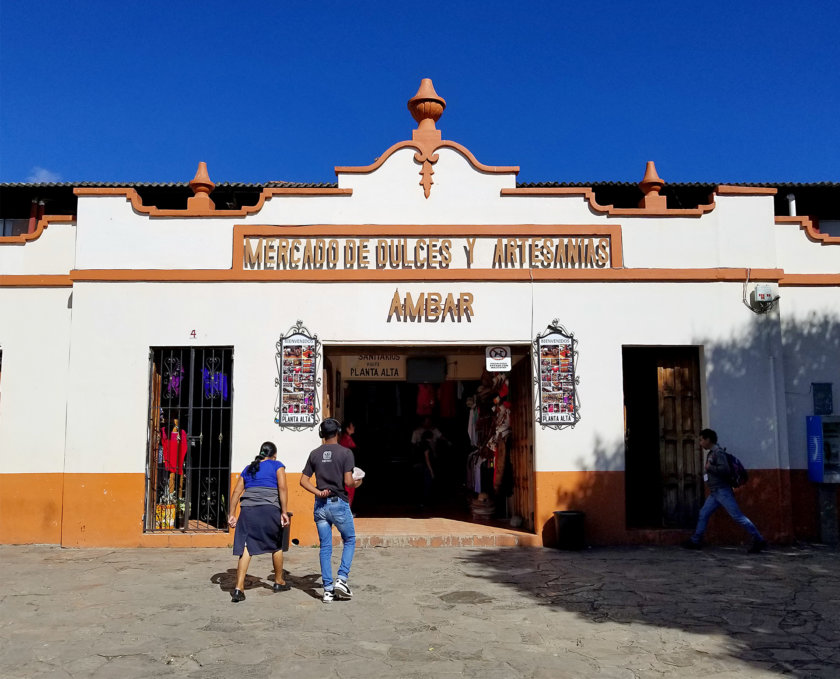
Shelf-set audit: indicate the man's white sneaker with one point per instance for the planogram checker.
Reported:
(328, 596)
(342, 589)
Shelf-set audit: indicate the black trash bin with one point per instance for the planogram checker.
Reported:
(568, 526)
(286, 532)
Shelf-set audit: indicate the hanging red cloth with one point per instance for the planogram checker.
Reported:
(448, 397)
(426, 399)
(174, 450)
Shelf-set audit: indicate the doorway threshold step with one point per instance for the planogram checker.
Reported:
(437, 532)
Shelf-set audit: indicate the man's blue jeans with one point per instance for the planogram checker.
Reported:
(722, 497)
(329, 512)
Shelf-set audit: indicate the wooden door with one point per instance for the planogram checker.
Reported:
(681, 465)
(154, 444)
(522, 442)
(327, 390)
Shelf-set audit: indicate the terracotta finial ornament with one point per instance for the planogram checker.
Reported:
(201, 186)
(651, 185)
(426, 108)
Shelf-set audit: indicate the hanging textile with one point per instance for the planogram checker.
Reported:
(447, 397)
(426, 399)
(174, 449)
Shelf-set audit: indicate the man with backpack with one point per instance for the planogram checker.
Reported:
(719, 478)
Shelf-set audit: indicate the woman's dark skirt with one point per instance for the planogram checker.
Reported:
(259, 529)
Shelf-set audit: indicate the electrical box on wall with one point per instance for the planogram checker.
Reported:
(764, 293)
(823, 448)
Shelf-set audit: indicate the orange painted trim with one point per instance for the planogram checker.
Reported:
(812, 230)
(43, 223)
(729, 190)
(133, 197)
(501, 169)
(767, 498)
(335, 275)
(30, 508)
(806, 279)
(243, 231)
(589, 195)
(700, 275)
(106, 510)
(35, 281)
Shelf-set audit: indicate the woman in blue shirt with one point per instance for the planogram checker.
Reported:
(263, 499)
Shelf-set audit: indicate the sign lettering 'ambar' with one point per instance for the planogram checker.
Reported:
(431, 307)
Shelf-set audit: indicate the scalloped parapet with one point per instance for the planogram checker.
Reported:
(426, 108)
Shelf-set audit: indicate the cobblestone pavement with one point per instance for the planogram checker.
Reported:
(450, 612)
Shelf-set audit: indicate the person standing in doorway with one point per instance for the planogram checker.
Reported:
(717, 476)
(332, 465)
(346, 440)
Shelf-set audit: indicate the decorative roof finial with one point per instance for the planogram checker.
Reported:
(426, 106)
(651, 185)
(202, 187)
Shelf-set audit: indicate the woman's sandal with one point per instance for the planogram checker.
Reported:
(285, 587)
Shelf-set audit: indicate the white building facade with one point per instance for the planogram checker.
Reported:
(124, 317)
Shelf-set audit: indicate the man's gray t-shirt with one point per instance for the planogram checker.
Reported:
(329, 462)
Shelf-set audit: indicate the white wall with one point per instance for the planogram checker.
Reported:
(115, 324)
(740, 403)
(52, 252)
(34, 339)
(811, 334)
(798, 254)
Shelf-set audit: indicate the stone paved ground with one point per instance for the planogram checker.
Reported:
(467, 612)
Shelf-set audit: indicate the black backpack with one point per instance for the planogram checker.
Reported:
(737, 473)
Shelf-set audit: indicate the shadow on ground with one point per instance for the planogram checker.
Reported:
(779, 610)
(309, 584)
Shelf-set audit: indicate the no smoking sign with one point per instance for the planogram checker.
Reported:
(498, 359)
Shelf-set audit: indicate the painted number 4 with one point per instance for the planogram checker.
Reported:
(192, 334)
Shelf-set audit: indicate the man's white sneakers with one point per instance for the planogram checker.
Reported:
(342, 589)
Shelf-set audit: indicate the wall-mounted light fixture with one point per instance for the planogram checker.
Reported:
(762, 298)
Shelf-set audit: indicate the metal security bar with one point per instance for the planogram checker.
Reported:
(188, 469)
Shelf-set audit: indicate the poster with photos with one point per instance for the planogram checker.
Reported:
(558, 405)
(297, 362)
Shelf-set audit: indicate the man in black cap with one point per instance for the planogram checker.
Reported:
(332, 466)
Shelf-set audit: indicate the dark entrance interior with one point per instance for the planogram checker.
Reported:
(398, 482)
(663, 467)
(391, 419)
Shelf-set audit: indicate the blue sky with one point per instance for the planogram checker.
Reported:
(141, 91)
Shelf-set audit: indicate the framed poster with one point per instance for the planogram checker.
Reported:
(297, 382)
(823, 401)
(555, 378)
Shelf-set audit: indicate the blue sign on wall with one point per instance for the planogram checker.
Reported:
(816, 468)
